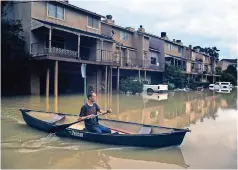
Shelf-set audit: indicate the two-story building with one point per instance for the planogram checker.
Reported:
(138, 52)
(60, 37)
(224, 63)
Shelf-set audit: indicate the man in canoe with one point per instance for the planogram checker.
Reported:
(88, 111)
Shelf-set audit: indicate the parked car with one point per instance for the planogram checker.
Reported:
(211, 87)
(223, 86)
(155, 88)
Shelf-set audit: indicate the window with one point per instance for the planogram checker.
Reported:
(180, 50)
(92, 22)
(55, 11)
(170, 47)
(153, 60)
(124, 35)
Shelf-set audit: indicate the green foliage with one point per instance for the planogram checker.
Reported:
(131, 84)
(230, 75)
(171, 86)
(214, 53)
(218, 70)
(231, 70)
(14, 59)
(175, 76)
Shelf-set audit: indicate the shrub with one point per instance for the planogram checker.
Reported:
(171, 86)
(131, 84)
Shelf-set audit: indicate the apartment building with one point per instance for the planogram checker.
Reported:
(60, 37)
(174, 52)
(224, 63)
(203, 64)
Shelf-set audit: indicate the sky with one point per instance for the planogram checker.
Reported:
(205, 23)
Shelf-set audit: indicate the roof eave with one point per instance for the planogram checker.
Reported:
(80, 9)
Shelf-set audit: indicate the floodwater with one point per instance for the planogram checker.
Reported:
(212, 118)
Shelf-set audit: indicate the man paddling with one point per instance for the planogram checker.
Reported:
(88, 111)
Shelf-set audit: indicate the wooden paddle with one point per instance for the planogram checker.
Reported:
(64, 126)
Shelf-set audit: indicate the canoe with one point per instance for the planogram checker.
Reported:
(128, 133)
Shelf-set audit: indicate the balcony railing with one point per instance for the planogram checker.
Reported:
(139, 63)
(96, 55)
(85, 53)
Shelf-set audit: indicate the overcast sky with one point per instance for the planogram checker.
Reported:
(206, 23)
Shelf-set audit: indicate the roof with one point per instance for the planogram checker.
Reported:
(174, 43)
(80, 9)
(74, 29)
(230, 60)
(206, 55)
(155, 36)
(117, 26)
(150, 35)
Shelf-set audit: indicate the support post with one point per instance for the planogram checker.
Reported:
(47, 82)
(139, 74)
(102, 58)
(118, 79)
(111, 86)
(108, 87)
(145, 74)
(120, 52)
(50, 37)
(78, 56)
(128, 57)
(106, 80)
(56, 79)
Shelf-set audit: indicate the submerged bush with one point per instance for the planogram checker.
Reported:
(131, 84)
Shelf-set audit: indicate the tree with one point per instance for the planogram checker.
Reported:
(230, 75)
(175, 76)
(218, 70)
(232, 70)
(13, 48)
(213, 53)
(13, 55)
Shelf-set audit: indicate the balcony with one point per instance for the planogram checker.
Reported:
(85, 53)
(141, 64)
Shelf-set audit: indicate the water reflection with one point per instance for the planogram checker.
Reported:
(178, 109)
(22, 144)
(102, 158)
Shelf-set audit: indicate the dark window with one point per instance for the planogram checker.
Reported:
(153, 60)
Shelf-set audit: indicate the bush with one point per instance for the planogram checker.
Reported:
(131, 84)
(229, 77)
(218, 70)
(171, 86)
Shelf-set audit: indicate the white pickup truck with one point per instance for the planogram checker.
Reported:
(155, 88)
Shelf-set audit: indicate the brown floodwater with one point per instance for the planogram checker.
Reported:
(212, 118)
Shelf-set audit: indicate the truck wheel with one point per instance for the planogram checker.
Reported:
(150, 90)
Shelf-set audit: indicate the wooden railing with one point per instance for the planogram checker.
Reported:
(85, 53)
(93, 54)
